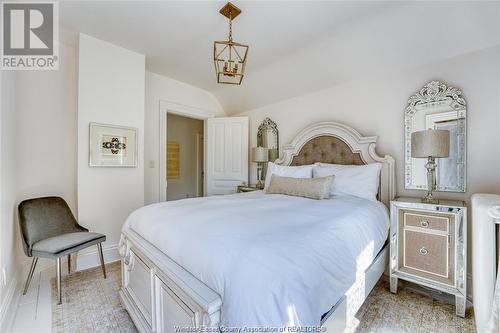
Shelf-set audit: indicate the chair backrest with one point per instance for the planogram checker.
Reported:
(46, 217)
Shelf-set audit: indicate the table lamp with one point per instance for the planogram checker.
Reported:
(260, 155)
(430, 144)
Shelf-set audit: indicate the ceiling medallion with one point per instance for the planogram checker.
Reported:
(230, 57)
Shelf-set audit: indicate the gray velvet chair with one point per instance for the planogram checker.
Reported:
(50, 230)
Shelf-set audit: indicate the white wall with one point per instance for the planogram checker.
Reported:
(180, 98)
(8, 178)
(183, 130)
(46, 127)
(38, 150)
(110, 91)
(375, 106)
(46, 137)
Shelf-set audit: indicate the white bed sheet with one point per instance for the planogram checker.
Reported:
(275, 260)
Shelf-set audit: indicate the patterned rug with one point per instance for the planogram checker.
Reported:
(411, 310)
(91, 304)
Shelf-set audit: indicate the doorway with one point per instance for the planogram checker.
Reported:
(184, 157)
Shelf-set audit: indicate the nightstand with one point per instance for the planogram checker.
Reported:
(247, 188)
(429, 246)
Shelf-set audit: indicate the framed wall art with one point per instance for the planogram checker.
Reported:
(173, 160)
(112, 146)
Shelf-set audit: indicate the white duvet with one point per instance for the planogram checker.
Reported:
(275, 260)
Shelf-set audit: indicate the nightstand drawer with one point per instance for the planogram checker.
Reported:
(413, 218)
(426, 252)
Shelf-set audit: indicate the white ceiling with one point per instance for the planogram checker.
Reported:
(295, 46)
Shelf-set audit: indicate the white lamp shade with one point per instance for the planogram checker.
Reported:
(260, 154)
(430, 143)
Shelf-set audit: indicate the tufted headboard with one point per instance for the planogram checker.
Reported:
(327, 149)
(331, 142)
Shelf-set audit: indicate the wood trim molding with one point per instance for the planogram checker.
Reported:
(166, 107)
(9, 306)
(186, 110)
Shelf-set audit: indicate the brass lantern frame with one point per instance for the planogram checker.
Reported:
(230, 57)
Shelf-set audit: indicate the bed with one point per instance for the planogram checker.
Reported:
(258, 260)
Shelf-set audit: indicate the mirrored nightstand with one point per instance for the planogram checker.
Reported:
(429, 246)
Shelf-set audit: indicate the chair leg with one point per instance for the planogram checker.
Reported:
(69, 263)
(30, 275)
(58, 269)
(101, 257)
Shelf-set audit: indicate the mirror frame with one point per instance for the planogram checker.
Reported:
(266, 124)
(436, 94)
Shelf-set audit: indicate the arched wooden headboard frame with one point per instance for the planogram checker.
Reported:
(360, 147)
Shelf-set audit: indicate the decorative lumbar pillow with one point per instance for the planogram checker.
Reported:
(304, 171)
(357, 180)
(313, 188)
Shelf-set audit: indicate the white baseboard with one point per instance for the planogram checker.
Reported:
(89, 258)
(9, 305)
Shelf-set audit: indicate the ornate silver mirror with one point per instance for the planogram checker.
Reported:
(268, 137)
(437, 106)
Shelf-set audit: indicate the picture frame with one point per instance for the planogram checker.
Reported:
(112, 146)
(173, 160)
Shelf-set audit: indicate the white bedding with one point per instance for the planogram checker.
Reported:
(275, 260)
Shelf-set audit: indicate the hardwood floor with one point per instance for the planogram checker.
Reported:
(34, 312)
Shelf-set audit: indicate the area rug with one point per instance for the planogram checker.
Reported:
(91, 304)
(411, 310)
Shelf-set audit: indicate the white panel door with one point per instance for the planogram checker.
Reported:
(227, 154)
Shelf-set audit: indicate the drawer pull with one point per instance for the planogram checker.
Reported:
(424, 223)
(423, 251)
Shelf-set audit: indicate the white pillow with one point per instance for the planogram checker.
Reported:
(357, 180)
(303, 171)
